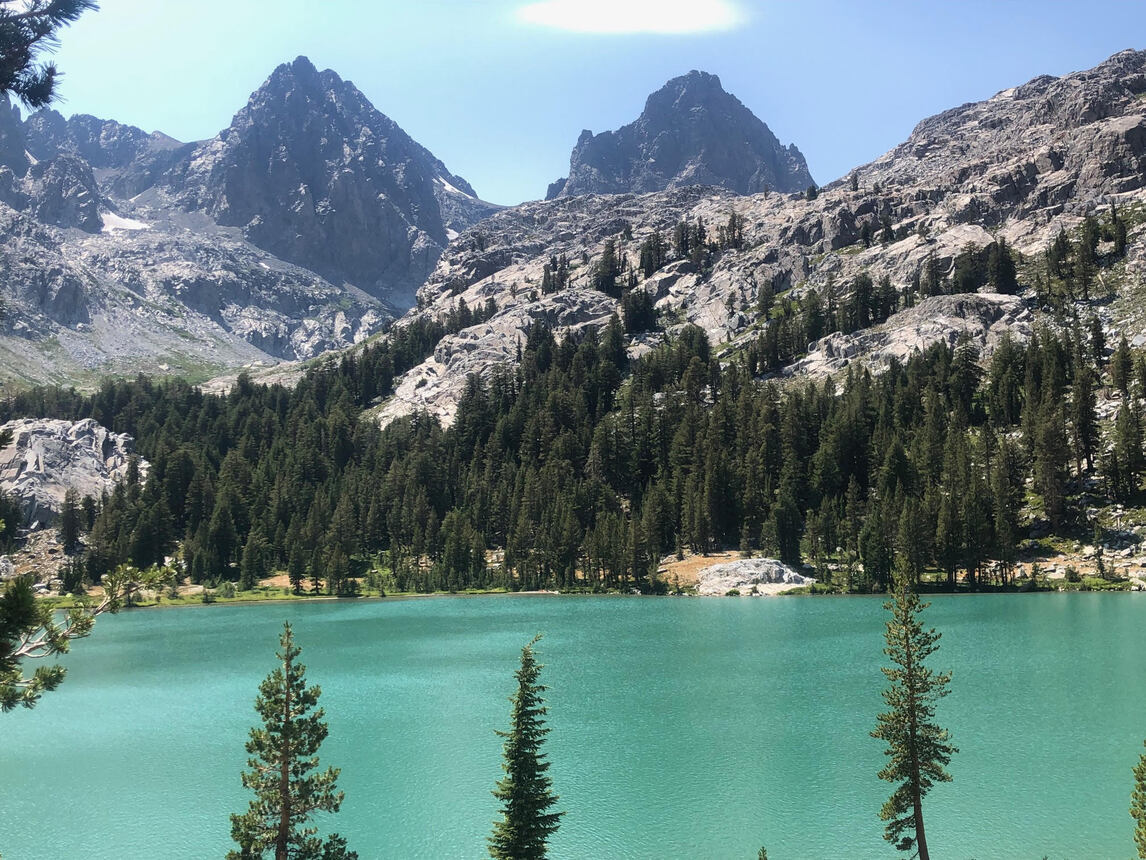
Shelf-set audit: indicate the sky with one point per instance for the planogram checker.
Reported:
(500, 89)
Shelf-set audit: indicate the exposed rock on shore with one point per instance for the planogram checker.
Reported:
(750, 577)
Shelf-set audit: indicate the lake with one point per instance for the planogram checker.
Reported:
(690, 728)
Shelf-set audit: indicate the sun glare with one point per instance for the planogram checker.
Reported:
(665, 17)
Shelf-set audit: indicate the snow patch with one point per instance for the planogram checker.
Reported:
(448, 187)
(111, 221)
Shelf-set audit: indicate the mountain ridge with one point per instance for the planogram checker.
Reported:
(1019, 167)
(126, 250)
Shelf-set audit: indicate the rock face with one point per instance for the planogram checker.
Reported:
(303, 227)
(751, 577)
(982, 318)
(47, 458)
(1037, 149)
(314, 174)
(691, 132)
(1019, 166)
(437, 385)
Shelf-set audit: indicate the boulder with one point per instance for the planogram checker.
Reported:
(749, 576)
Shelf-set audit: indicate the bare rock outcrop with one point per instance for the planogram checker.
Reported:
(982, 318)
(750, 577)
(49, 457)
(437, 384)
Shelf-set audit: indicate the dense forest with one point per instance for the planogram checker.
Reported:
(586, 467)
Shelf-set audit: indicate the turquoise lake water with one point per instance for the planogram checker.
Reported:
(680, 728)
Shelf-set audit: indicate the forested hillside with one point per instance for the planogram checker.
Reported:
(587, 467)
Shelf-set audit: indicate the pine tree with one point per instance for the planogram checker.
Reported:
(1051, 453)
(526, 789)
(1119, 228)
(296, 569)
(70, 521)
(1138, 806)
(26, 29)
(1097, 341)
(283, 757)
(1122, 366)
(1084, 420)
(30, 630)
(1126, 461)
(253, 566)
(1001, 267)
(918, 749)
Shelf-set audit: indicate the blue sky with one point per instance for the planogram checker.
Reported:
(500, 89)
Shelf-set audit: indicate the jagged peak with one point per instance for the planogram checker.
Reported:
(691, 132)
(685, 92)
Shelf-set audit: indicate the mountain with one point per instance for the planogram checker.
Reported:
(1021, 166)
(314, 174)
(304, 226)
(691, 132)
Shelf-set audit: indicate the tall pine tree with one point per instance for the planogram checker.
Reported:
(917, 748)
(283, 760)
(525, 791)
(1138, 806)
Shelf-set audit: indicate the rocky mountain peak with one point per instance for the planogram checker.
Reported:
(696, 89)
(313, 173)
(691, 132)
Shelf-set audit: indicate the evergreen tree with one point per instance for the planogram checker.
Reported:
(1122, 366)
(284, 756)
(606, 271)
(918, 749)
(70, 521)
(1097, 341)
(1126, 460)
(253, 566)
(296, 569)
(1119, 229)
(1084, 423)
(1001, 267)
(525, 791)
(30, 630)
(1051, 453)
(26, 30)
(1138, 806)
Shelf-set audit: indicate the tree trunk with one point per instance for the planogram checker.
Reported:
(920, 836)
(284, 770)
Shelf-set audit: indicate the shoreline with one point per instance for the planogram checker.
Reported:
(65, 603)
